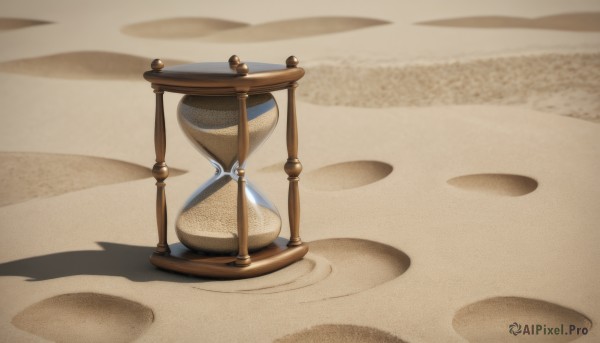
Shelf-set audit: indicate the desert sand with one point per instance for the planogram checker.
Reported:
(451, 155)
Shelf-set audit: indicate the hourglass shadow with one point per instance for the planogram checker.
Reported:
(128, 261)
(7, 24)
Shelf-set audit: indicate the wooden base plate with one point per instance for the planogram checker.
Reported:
(269, 259)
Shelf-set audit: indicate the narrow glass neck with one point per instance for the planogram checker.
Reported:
(232, 172)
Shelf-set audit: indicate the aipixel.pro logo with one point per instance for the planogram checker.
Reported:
(516, 329)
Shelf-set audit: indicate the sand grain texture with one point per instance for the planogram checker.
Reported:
(548, 82)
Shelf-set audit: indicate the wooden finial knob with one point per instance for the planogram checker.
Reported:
(242, 69)
(157, 65)
(291, 62)
(234, 60)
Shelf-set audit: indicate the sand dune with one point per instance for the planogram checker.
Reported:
(488, 320)
(85, 317)
(497, 184)
(584, 22)
(346, 175)
(180, 27)
(545, 82)
(7, 24)
(35, 175)
(336, 333)
(294, 28)
(90, 65)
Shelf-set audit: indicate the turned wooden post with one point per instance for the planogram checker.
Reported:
(160, 171)
(242, 258)
(293, 167)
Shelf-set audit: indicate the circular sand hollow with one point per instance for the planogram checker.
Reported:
(491, 320)
(346, 175)
(273, 168)
(181, 27)
(294, 28)
(496, 184)
(35, 175)
(308, 271)
(83, 65)
(339, 333)
(328, 271)
(85, 317)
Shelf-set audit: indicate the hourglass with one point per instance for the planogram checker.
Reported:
(227, 228)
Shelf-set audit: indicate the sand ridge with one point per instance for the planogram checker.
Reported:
(84, 65)
(581, 22)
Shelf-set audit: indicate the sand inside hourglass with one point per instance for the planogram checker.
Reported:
(212, 123)
(209, 220)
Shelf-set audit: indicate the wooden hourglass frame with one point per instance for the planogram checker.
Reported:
(231, 78)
